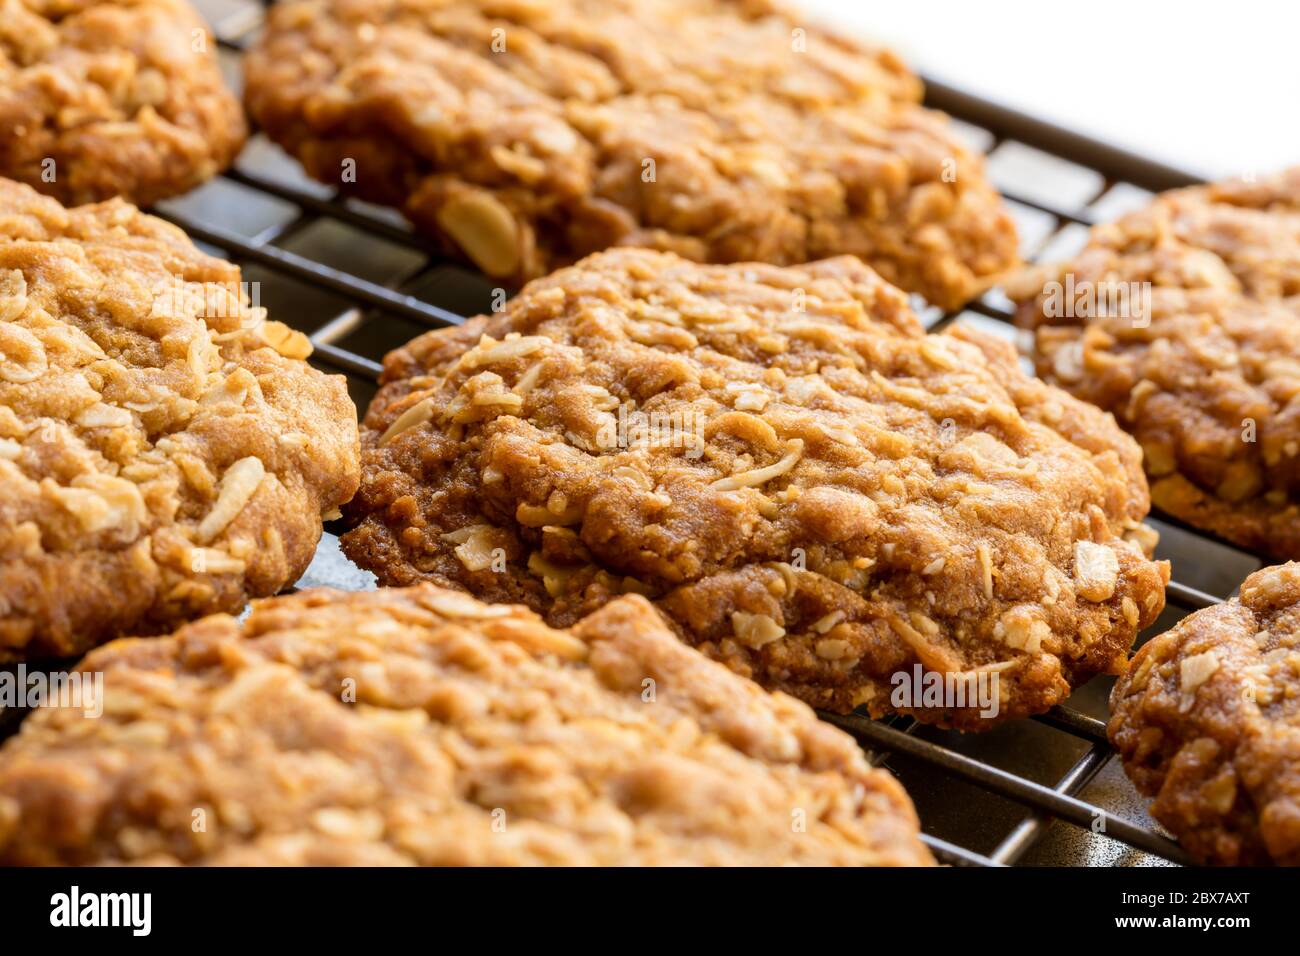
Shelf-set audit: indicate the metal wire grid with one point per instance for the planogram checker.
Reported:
(884, 739)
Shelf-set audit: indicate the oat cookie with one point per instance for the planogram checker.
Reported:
(164, 450)
(112, 98)
(1207, 721)
(418, 726)
(528, 134)
(811, 488)
(1207, 377)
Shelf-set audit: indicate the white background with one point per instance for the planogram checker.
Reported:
(1210, 88)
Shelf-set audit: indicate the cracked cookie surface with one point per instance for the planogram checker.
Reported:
(1207, 721)
(1209, 380)
(164, 450)
(809, 487)
(527, 135)
(117, 99)
(418, 726)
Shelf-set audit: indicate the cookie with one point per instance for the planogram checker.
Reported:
(165, 451)
(527, 135)
(1183, 319)
(120, 98)
(807, 485)
(1207, 721)
(418, 726)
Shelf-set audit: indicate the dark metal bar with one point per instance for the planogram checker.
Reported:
(1111, 161)
(1263, 559)
(361, 290)
(1022, 791)
(983, 308)
(1019, 841)
(347, 361)
(335, 210)
(954, 855)
(234, 46)
(1080, 218)
(1187, 596)
(1072, 722)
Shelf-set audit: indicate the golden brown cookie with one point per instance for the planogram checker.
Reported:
(102, 99)
(421, 727)
(1183, 319)
(164, 450)
(1207, 721)
(527, 135)
(807, 485)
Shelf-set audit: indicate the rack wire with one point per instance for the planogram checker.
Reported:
(928, 760)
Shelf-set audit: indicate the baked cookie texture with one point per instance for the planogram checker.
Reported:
(124, 97)
(808, 487)
(164, 450)
(1209, 381)
(419, 726)
(1207, 721)
(527, 135)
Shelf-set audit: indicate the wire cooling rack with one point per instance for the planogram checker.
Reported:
(359, 283)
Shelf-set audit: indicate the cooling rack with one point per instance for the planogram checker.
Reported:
(357, 281)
